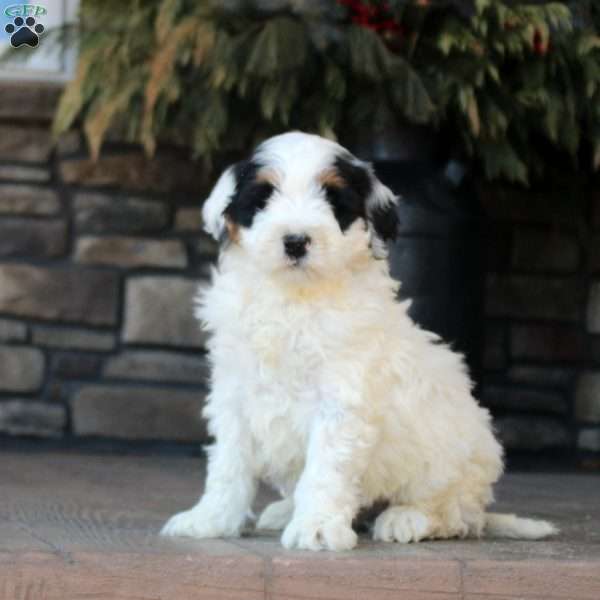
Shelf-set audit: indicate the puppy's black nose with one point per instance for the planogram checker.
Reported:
(296, 245)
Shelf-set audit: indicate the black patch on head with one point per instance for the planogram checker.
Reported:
(250, 196)
(356, 176)
(385, 221)
(349, 201)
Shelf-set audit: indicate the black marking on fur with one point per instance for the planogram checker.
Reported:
(385, 221)
(250, 196)
(356, 176)
(349, 201)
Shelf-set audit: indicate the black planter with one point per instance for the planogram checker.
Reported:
(438, 257)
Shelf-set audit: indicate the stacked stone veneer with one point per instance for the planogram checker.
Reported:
(99, 263)
(98, 268)
(542, 349)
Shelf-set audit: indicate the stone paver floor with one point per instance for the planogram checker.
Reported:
(84, 526)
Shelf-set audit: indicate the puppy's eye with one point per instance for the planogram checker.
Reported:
(256, 195)
(346, 204)
(250, 199)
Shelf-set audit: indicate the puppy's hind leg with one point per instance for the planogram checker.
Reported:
(277, 515)
(444, 517)
(402, 524)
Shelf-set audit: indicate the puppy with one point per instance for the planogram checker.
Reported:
(322, 386)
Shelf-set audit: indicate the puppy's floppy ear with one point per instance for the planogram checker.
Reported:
(240, 193)
(382, 217)
(217, 202)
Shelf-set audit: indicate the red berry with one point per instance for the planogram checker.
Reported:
(540, 45)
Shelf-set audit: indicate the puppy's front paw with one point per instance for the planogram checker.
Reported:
(319, 533)
(199, 523)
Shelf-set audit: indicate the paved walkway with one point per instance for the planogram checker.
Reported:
(84, 527)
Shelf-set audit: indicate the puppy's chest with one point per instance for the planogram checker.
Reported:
(288, 363)
(290, 350)
(292, 343)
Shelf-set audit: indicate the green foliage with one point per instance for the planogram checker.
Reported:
(506, 77)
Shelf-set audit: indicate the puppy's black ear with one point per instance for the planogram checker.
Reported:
(240, 193)
(383, 217)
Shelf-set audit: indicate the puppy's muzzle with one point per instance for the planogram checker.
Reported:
(296, 246)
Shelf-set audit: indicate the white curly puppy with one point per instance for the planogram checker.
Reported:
(322, 385)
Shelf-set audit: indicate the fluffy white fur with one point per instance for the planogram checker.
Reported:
(324, 387)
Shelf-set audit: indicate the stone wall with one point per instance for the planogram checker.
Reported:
(98, 267)
(99, 263)
(542, 350)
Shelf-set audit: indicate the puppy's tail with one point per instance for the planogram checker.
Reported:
(518, 528)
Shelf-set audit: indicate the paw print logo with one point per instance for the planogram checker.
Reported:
(24, 31)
